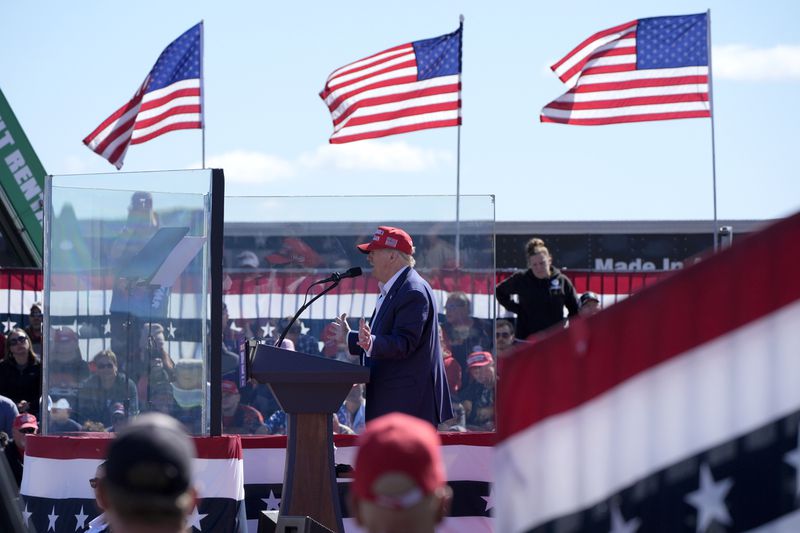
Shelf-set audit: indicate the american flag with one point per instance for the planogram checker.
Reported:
(675, 410)
(648, 69)
(410, 87)
(169, 99)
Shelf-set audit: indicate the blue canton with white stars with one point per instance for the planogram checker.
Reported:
(179, 61)
(671, 42)
(440, 56)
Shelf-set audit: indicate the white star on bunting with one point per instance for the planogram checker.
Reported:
(793, 458)
(52, 517)
(80, 520)
(709, 500)
(171, 330)
(195, 518)
(107, 327)
(489, 499)
(9, 324)
(618, 523)
(273, 503)
(26, 515)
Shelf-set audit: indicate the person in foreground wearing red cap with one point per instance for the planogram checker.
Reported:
(24, 425)
(399, 482)
(400, 344)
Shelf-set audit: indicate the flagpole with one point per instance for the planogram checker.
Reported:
(202, 93)
(458, 151)
(713, 144)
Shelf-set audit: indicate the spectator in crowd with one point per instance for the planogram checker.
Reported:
(464, 333)
(303, 342)
(295, 253)
(335, 346)
(66, 369)
(8, 412)
(458, 423)
(148, 483)
(478, 397)
(230, 347)
(350, 417)
(452, 367)
(504, 337)
(34, 329)
(590, 304)
(399, 483)
(153, 344)
(60, 421)
(247, 259)
(119, 419)
(155, 391)
(21, 371)
(238, 418)
(24, 424)
(105, 388)
(92, 426)
(99, 523)
(542, 292)
(188, 394)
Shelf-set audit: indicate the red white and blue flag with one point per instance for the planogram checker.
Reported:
(169, 99)
(410, 87)
(674, 410)
(648, 69)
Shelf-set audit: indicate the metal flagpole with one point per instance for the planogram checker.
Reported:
(458, 151)
(713, 146)
(202, 93)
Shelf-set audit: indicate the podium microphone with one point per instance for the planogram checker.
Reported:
(350, 273)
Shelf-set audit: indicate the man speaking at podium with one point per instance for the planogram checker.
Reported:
(400, 344)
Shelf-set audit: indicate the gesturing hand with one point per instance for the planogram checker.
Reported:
(364, 335)
(342, 328)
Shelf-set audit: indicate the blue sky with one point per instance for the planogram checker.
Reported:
(66, 66)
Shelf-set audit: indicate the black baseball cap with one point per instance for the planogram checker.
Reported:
(589, 295)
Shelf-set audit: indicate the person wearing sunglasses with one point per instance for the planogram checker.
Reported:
(21, 371)
(104, 388)
(24, 425)
(98, 524)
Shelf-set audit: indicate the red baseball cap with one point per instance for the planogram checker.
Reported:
(389, 238)
(479, 359)
(25, 420)
(398, 444)
(229, 387)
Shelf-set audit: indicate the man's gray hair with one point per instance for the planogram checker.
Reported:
(407, 259)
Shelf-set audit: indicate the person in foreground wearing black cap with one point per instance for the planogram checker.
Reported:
(400, 344)
(590, 304)
(148, 484)
(399, 482)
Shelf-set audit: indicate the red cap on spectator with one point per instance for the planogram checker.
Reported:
(479, 359)
(229, 387)
(294, 250)
(65, 334)
(389, 238)
(25, 420)
(398, 444)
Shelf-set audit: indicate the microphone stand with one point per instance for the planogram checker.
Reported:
(303, 308)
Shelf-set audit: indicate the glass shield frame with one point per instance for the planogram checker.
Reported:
(277, 247)
(126, 328)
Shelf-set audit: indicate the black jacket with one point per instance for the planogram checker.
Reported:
(25, 384)
(540, 303)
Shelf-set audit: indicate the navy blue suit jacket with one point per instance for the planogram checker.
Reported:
(406, 366)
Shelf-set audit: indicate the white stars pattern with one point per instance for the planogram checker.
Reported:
(194, 519)
(51, 519)
(26, 515)
(618, 523)
(171, 329)
(793, 458)
(709, 500)
(273, 503)
(9, 324)
(489, 499)
(107, 327)
(80, 520)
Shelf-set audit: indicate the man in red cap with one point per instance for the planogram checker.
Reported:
(24, 425)
(399, 482)
(400, 344)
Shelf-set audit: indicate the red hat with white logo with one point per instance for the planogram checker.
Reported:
(389, 238)
(25, 420)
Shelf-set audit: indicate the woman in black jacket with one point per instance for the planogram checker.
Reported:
(542, 292)
(21, 371)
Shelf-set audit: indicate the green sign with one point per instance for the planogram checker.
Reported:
(21, 180)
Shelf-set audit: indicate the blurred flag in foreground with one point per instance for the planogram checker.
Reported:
(674, 410)
(411, 87)
(169, 99)
(648, 69)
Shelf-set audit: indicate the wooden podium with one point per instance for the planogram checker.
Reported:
(310, 390)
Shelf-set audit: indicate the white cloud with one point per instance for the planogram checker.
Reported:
(247, 167)
(397, 156)
(745, 63)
